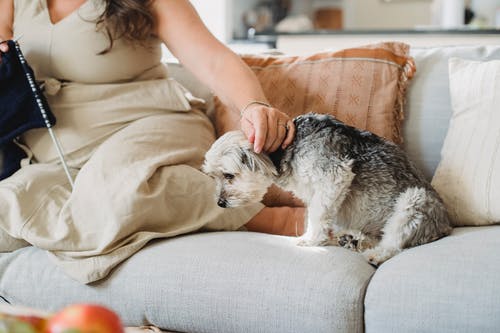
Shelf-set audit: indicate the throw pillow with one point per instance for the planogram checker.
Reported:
(428, 107)
(363, 87)
(468, 175)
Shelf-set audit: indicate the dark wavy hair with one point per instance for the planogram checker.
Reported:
(131, 20)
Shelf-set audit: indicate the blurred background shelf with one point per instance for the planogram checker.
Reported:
(250, 26)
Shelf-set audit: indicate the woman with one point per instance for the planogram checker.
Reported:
(131, 136)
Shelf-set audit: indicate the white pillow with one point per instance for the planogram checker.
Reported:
(428, 107)
(468, 175)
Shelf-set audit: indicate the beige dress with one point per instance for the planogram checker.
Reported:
(131, 139)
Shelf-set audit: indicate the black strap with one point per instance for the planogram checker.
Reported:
(6, 301)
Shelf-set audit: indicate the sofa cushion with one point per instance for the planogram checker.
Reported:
(468, 176)
(450, 285)
(210, 282)
(428, 107)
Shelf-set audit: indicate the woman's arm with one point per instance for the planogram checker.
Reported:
(6, 22)
(182, 30)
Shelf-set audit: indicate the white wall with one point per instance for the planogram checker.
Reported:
(217, 16)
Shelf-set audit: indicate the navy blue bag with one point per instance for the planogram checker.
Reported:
(20, 97)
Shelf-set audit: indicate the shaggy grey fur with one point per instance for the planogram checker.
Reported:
(354, 183)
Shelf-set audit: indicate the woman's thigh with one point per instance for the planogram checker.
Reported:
(144, 169)
(170, 139)
(34, 194)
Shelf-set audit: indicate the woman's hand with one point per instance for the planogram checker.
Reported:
(4, 47)
(266, 127)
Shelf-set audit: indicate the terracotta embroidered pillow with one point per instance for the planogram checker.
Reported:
(364, 87)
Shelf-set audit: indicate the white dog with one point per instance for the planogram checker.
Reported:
(354, 184)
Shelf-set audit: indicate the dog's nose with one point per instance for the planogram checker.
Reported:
(222, 203)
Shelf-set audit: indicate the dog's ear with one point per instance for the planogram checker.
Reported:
(257, 162)
(244, 158)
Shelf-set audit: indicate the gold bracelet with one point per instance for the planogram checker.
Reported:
(252, 103)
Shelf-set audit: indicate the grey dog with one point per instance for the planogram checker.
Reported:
(361, 191)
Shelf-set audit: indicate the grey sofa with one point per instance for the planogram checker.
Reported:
(249, 282)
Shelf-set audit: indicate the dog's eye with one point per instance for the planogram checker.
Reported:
(228, 176)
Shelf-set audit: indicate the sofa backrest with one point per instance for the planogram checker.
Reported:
(428, 107)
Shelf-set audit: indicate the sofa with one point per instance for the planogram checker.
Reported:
(251, 282)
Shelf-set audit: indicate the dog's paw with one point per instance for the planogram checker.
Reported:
(372, 257)
(348, 241)
(377, 256)
(354, 241)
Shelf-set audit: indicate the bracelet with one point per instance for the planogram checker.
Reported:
(252, 103)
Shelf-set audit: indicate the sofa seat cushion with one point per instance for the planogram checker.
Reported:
(451, 285)
(210, 282)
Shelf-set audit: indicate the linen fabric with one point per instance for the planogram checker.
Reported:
(468, 175)
(141, 183)
(91, 95)
(131, 138)
(10, 243)
(211, 282)
(447, 286)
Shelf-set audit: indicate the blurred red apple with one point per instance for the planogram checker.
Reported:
(20, 323)
(85, 318)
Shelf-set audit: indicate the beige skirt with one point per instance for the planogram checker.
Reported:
(136, 175)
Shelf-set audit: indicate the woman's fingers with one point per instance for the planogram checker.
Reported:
(247, 128)
(274, 133)
(4, 47)
(257, 117)
(270, 128)
(290, 134)
(281, 133)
